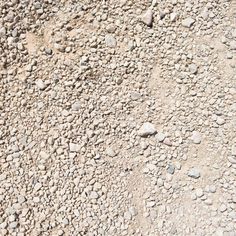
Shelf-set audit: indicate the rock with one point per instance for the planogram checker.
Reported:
(188, 22)
(110, 41)
(199, 192)
(37, 186)
(223, 208)
(150, 204)
(220, 120)
(40, 84)
(196, 137)
(147, 18)
(3, 32)
(232, 45)
(232, 160)
(160, 136)
(147, 129)
(173, 16)
(233, 150)
(193, 68)
(127, 215)
(94, 195)
(194, 173)
(110, 152)
(75, 106)
(171, 169)
(74, 147)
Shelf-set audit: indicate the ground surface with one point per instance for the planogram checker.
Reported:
(118, 117)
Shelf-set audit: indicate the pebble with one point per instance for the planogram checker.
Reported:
(196, 137)
(147, 129)
(79, 79)
(74, 147)
(147, 18)
(193, 68)
(232, 45)
(110, 41)
(194, 173)
(223, 208)
(160, 137)
(127, 215)
(173, 16)
(40, 84)
(232, 160)
(233, 150)
(199, 192)
(220, 121)
(76, 106)
(171, 169)
(94, 195)
(188, 22)
(110, 152)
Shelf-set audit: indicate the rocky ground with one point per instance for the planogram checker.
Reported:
(118, 117)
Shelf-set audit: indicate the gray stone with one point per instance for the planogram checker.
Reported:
(194, 173)
(188, 22)
(147, 129)
(171, 169)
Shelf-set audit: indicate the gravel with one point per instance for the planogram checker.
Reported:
(117, 118)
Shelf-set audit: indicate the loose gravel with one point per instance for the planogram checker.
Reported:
(117, 118)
